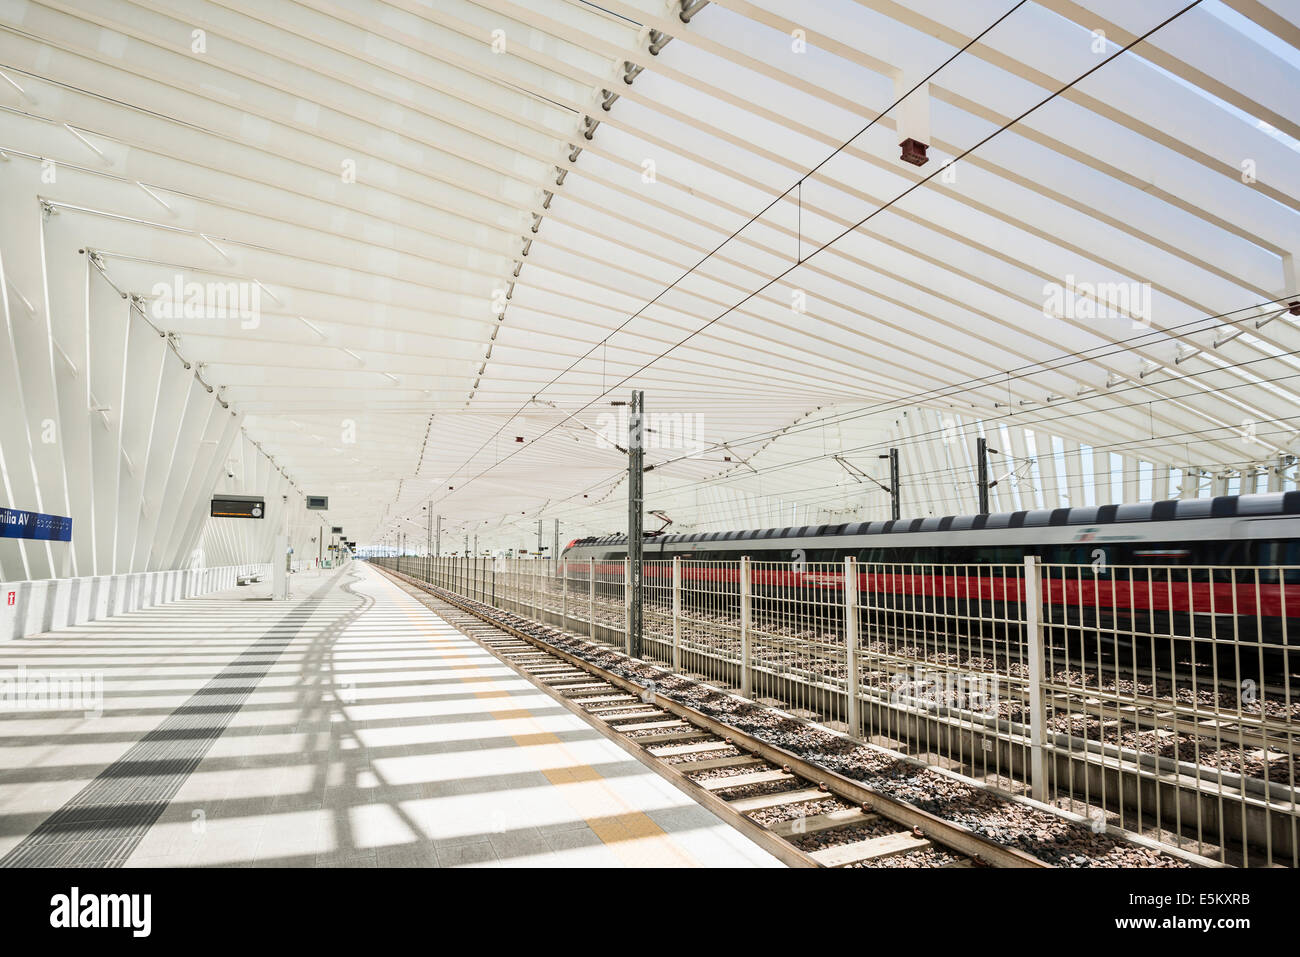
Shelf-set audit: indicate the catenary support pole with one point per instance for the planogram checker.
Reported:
(895, 502)
(982, 470)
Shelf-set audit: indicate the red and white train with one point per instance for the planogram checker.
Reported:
(1227, 566)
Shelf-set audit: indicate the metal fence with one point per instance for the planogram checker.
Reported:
(1153, 698)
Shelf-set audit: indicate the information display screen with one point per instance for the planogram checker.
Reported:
(238, 506)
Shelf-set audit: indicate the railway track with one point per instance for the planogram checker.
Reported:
(722, 772)
(1252, 738)
(803, 812)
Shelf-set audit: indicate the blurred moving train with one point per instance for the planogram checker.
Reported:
(1230, 562)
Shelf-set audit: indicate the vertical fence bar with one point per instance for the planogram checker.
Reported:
(677, 613)
(853, 704)
(746, 674)
(627, 605)
(1034, 640)
(591, 599)
(564, 593)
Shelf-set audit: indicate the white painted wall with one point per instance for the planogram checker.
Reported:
(32, 607)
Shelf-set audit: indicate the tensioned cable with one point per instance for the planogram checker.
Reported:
(1116, 448)
(995, 379)
(708, 255)
(928, 482)
(1002, 419)
(1027, 371)
(1006, 419)
(1033, 369)
(844, 491)
(944, 478)
(1016, 373)
(906, 192)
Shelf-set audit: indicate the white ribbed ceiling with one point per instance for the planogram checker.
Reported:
(219, 139)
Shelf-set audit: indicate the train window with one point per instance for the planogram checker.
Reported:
(965, 555)
(999, 555)
(1068, 554)
(1230, 553)
(1274, 554)
(1289, 555)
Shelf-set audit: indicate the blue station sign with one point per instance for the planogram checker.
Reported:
(15, 523)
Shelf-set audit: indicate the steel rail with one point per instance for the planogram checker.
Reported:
(779, 848)
(948, 833)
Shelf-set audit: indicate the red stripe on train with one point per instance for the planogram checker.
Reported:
(1223, 598)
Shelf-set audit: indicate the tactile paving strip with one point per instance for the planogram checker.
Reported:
(103, 823)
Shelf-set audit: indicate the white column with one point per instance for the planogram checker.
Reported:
(279, 555)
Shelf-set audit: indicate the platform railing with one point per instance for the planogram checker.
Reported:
(1149, 698)
(1178, 682)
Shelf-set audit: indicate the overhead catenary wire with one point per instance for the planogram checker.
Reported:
(906, 192)
(945, 479)
(604, 342)
(1021, 417)
(1006, 418)
(1022, 372)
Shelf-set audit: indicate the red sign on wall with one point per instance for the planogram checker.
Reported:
(12, 596)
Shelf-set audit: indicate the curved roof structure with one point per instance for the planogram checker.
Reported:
(407, 254)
